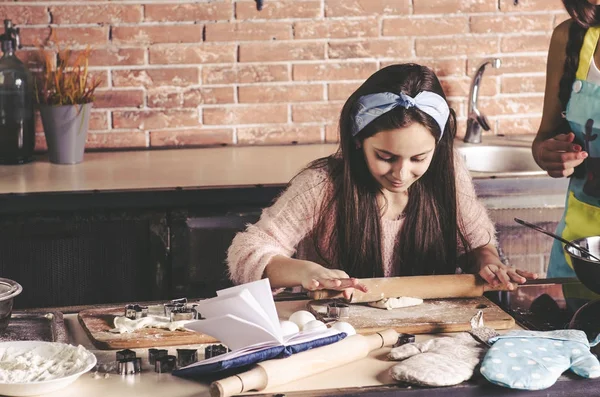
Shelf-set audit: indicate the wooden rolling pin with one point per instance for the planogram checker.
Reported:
(424, 287)
(277, 372)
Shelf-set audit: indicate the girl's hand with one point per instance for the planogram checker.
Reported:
(497, 274)
(316, 277)
(559, 156)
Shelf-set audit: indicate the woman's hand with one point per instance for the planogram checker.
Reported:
(559, 156)
(316, 277)
(497, 273)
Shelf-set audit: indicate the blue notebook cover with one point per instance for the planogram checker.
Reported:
(231, 360)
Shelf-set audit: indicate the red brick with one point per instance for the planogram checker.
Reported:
(336, 28)
(510, 23)
(245, 74)
(373, 48)
(98, 121)
(280, 9)
(560, 18)
(511, 64)
(341, 91)
(328, 112)
(208, 96)
(360, 8)
(511, 105)
(157, 34)
(454, 6)
(31, 58)
(459, 86)
(34, 37)
(441, 67)
(280, 93)
(82, 36)
(248, 31)
(155, 77)
(279, 135)
(161, 98)
(191, 137)
(334, 71)
(519, 125)
(119, 99)
(408, 26)
(25, 15)
(525, 43)
(155, 119)
(116, 140)
(105, 13)
(332, 133)
(114, 56)
(430, 47)
(519, 84)
(169, 12)
(531, 5)
(226, 115)
(192, 53)
(290, 51)
(40, 143)
(99, 75)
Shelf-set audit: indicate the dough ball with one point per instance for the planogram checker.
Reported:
(344, 327)
(288, 327)
(314, 325)
(301, 317)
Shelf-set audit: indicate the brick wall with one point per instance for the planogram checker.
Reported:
(188, 73)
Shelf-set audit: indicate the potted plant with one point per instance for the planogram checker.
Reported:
(65, 92)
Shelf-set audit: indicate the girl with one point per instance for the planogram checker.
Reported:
(388, 203)
(570, 123)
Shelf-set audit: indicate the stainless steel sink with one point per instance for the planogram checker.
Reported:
(512, 160)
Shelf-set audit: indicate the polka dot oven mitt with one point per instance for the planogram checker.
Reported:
(534, 360)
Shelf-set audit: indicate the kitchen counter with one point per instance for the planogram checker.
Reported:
(367, 377)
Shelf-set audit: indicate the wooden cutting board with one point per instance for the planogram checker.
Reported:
(432, 316)
(98, 322)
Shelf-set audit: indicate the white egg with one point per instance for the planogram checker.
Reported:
(301, 317)
(344, 327)
(288, 327)
(314, 325)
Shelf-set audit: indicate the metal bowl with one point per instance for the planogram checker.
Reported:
(9, 289)
(586, 268)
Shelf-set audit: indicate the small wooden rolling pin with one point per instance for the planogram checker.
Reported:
(424, 287)
(277, 372)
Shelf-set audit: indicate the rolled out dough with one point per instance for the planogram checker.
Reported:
(394, 303)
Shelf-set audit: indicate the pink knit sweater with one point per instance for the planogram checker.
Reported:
(284, 227)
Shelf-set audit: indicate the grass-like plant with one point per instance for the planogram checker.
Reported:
(66, 81)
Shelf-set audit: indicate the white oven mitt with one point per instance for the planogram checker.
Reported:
(443, 361)
(534, 360)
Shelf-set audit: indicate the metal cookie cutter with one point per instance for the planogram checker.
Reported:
(136, 311)
(182, 313)
(174, 304)
(186, 357)
(214, 350)
(165, 364)
(154, 354)
(129, 366)
(337, 310)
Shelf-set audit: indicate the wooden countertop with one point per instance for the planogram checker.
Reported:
(164, 169)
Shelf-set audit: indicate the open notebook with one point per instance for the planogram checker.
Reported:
(245, 319)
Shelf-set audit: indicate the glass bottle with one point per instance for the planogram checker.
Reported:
(17, 129)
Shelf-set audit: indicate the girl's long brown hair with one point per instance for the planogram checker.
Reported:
(431, 233)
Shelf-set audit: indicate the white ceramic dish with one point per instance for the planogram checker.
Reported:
(44, 349)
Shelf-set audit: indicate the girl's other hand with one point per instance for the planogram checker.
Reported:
(316, 277)
(559, 156)
(496, 274)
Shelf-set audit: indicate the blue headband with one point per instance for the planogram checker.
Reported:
(374, 105)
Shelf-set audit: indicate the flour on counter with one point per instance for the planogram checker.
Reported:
(394, 303)
(124, 325)
(42, 363)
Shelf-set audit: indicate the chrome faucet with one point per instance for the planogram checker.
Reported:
(477, 120)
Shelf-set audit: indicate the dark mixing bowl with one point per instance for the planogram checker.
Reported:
(8, 290)
(586, 268)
